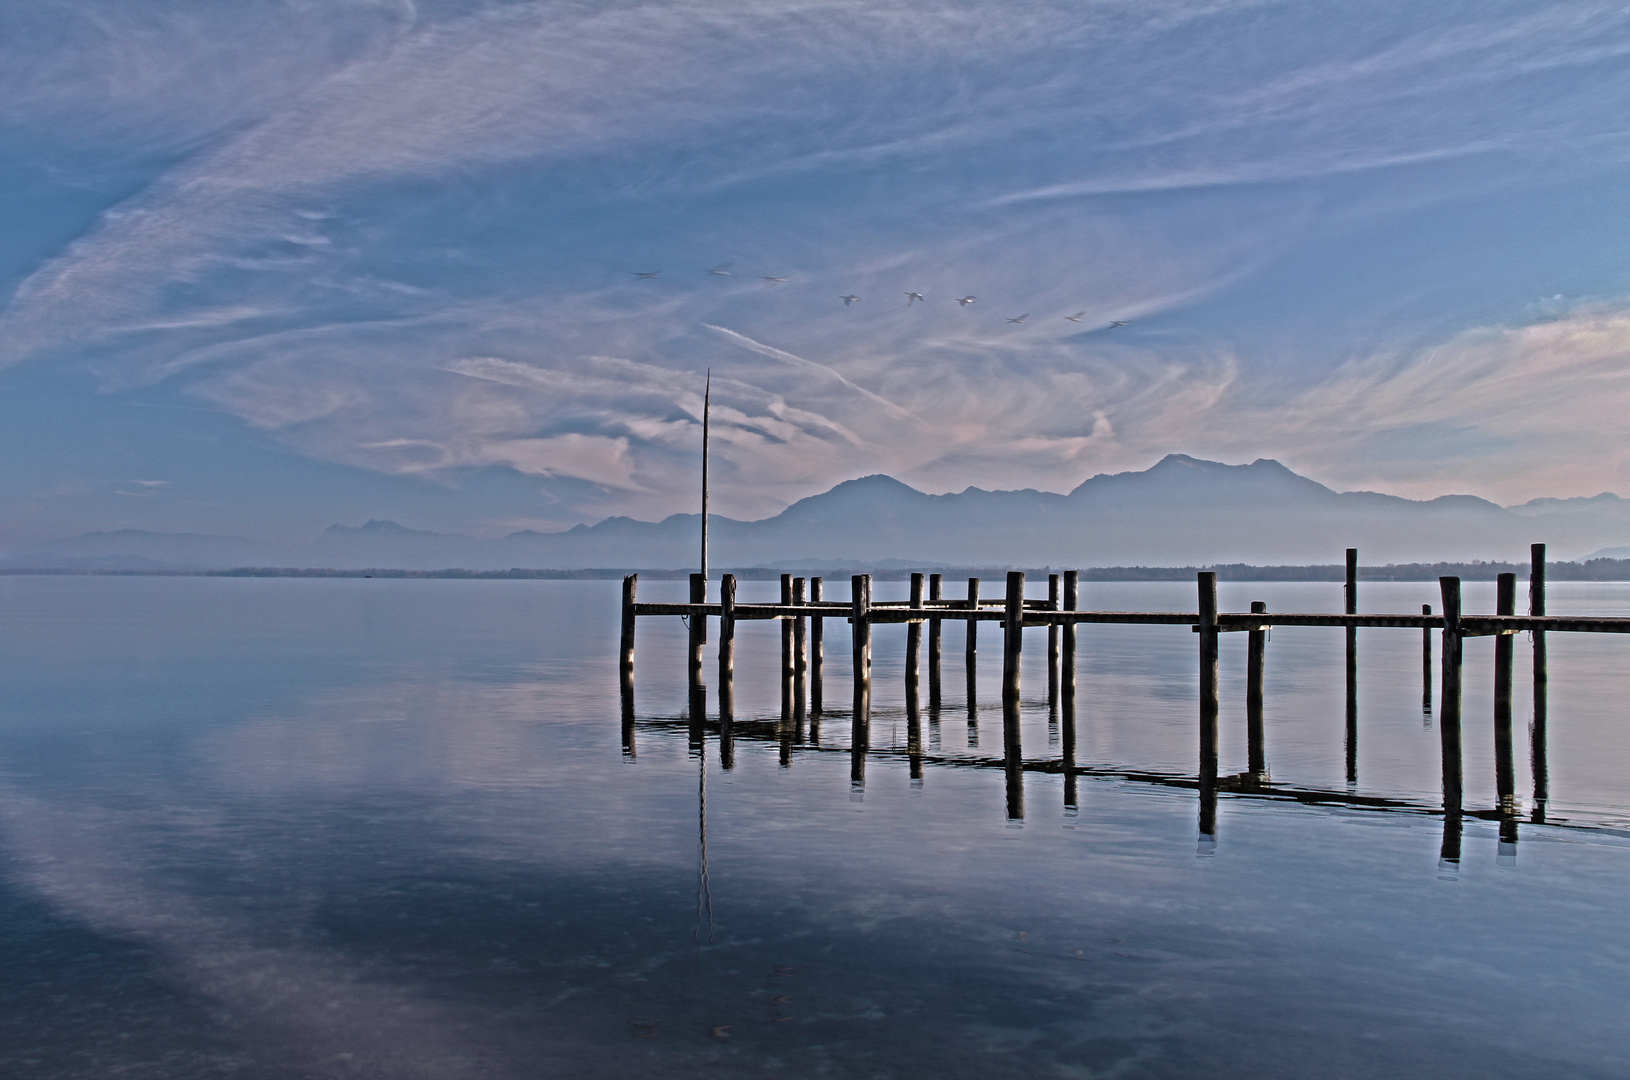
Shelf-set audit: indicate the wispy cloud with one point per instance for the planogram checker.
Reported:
(398, 237)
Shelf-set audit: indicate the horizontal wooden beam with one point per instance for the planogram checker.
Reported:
(1470, 625)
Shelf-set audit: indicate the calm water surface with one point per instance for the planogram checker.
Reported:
(372, 828)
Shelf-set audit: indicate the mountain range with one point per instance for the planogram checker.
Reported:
(1181, 511)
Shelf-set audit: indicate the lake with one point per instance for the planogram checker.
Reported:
(391, 828)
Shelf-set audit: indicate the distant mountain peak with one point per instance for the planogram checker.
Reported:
(376, 527)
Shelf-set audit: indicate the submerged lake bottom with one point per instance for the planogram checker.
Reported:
(386, 828)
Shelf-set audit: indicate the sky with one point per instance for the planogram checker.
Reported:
(268, 265)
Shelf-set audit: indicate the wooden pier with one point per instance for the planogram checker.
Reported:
(803, 612)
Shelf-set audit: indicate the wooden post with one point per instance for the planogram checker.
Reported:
(1505, 785)
(817, 647)
(1071, 601)
(936, 588)
(625, 664)
(1255, 666)
(1012, 649)
(1054, 603)
(970, 659)
(970, 652)
(1538, 750)
(1449, 714)
(786, 649)
(727, 652)
(1207, 582)
(860, 613)
(914, 645)
(1426, 663)
(1072, 597)
(698, 627)
(1013, 637)
(1351, 739)
(800, 663)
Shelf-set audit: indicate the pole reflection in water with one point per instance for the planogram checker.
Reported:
(1449, 852)
(1013, 763)
(704, 888)
(914, 744)
(696, 715)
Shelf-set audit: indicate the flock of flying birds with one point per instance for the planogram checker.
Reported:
(723, 270)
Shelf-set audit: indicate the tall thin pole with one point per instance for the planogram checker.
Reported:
(707, 403)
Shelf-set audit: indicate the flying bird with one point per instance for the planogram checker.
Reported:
(722, 270)
(773, 280)
(1116, 322)
(966, 300)
(1076, 317)
(913, 297)
(642, 274)
(1021, 318)
(847, 300)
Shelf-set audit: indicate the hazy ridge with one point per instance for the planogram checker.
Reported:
(1178, 514)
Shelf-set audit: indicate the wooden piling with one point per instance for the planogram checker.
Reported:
(1066, 689)
(860, 615)
(727, 651)
(1071, 601)
(1012, 636)
(1449, 711)
(936, 586)
(1207, 583)
(1255, 668)
(1054, 603)
(800, 662)
(970, 652)
(1012, 650)
(698, 626)
(1505, 786)
(914, 645)
(1351, 738)
(1538, 750)
(817, 647)
(625, 665)
(786, 649)
(1426, 662)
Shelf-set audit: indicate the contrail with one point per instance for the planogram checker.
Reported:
(781, 354)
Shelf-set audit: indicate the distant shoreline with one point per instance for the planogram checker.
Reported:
(1589, 570)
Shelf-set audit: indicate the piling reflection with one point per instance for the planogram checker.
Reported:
(1449, 851)
(914, 745)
